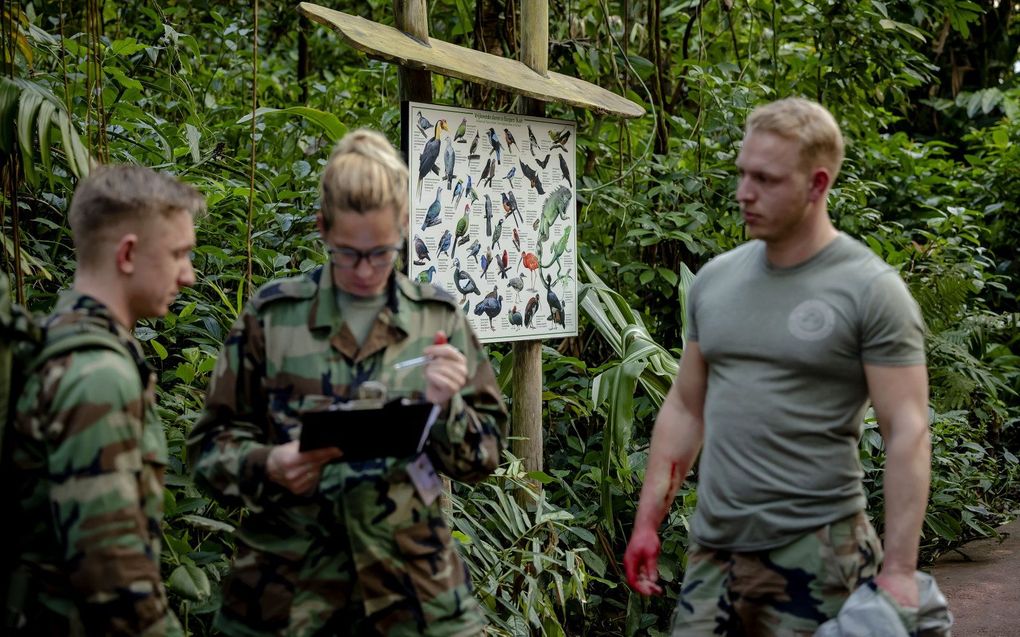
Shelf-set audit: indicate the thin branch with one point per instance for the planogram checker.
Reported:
(254, 107)
(88, 81)
(733, 31)
(10, 185)
(63, 60)
(681, 83)
(651, 105)
(104, 144)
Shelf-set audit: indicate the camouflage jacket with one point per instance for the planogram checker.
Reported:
(363, 554)
(89, 452)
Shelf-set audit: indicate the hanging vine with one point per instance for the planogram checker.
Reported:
(63, 57)
(11, 14)
(94, 65)
(254, 107)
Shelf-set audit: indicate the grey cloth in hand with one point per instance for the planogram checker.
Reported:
(871, 612)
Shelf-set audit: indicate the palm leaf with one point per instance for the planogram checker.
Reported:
(45, 120)
(8, 102)
(17, 21)
(626, 333)
(31, 265)
(641, 360)
(27, 110)
(328, 122)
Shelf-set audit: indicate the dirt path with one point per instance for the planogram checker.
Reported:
(982, 583)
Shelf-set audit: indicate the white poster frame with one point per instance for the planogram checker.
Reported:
(549, 274)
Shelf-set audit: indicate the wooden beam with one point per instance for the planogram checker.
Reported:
(393, 45)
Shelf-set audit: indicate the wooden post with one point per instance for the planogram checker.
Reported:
(526, 415)
(535, 38)
(412, 18)
(416, 85)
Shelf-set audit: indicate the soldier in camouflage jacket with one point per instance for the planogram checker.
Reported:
(328, 546)
(88, 449)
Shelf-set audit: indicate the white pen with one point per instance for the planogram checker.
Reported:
(433, 415)
(412, 362)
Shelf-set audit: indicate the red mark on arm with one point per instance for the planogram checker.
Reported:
(675, 479)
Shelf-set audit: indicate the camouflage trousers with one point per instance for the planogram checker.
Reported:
(328, 604)
(784, 592)
(364, 566)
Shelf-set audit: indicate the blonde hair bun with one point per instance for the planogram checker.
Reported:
(364, 173)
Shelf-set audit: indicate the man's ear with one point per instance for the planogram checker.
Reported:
(821, 179)
(320, 223)
(127, 253)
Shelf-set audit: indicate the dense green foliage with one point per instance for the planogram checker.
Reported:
(926, 92)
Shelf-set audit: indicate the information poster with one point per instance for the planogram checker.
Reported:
(493, 217)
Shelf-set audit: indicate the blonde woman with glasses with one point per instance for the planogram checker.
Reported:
(349, 539)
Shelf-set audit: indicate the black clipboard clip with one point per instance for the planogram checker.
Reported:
(371, 395)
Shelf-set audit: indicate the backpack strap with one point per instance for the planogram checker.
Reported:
(59, 342)
(20, 337)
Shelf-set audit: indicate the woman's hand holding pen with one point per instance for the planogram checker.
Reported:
(445, 372)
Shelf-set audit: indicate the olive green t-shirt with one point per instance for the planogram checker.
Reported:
(359, 312)
(785, 349)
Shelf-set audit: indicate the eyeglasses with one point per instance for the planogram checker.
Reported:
(349, 258)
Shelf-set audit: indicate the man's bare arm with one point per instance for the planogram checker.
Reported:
(900, 399)
(676, 440)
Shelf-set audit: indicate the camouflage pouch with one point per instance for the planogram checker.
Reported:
(20, 339)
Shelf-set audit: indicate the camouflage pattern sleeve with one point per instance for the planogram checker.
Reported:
(99, 473)
(467, 442)
(229, 445)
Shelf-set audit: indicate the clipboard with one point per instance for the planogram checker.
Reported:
(393, 430)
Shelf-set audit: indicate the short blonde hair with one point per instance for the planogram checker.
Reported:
(363, 173)
(805, 122)
(113, 195)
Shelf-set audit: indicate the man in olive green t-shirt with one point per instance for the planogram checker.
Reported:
(788, 337)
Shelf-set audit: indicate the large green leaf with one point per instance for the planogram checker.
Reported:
(641, 360)
(27, 108)
(191, 582)
(328, 122)
(79, 165)
(194, 136)
(624, 330)
(8, 104)
(36, 112)
(207, 524)
(615, 387)
(45, 120)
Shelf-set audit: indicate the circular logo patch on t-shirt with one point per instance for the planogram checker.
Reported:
(812, 320)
